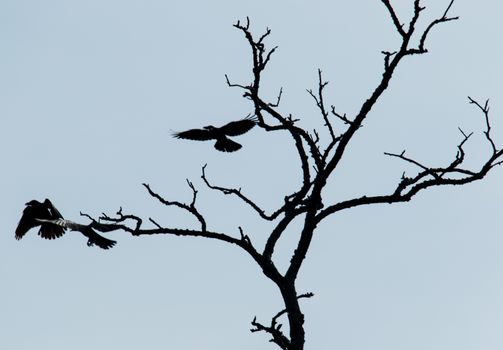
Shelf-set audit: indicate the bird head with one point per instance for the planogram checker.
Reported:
(209, 127)
(33, 202)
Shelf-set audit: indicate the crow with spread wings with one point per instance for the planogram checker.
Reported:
(220, 134)
(52, 225)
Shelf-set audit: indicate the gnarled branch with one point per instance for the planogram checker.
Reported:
(191, 208)
(429, 176)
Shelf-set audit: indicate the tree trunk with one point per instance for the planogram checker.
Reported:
(295, 316)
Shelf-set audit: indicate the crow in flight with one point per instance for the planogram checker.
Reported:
(35, 210)
(52, 225)
(220, 134)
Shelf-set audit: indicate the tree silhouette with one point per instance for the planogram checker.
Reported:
(319, 158)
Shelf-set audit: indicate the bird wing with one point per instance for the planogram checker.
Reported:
(93, 237)
(26, 222)
(48, 230)
(96, 239)
(195, 134)
(52, 209)
(226, 145)
(238, 127)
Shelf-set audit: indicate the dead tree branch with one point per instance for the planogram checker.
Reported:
(451, 174)
(318, 98)
(240, 195)
(191, 208)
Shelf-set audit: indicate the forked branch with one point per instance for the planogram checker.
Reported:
(452, 174)
(191, 208)
(240, 195)
(318, 98)
(442, 19)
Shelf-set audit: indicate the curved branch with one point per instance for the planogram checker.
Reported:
(298, 134)
(237, 192)
(278, 231)
(244, 242)
(485, 110)
(398, 197)
(117, 223)
(409, 187)
(191, 208)
(442, 19)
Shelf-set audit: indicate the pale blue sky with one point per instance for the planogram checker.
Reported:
(90, 92)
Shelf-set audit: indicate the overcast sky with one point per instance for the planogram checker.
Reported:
(90, 92)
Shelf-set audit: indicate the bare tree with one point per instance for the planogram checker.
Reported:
(318, 159)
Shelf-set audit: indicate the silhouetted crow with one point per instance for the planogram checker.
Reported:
(35, 210)
(52, 225)
(210, 132)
